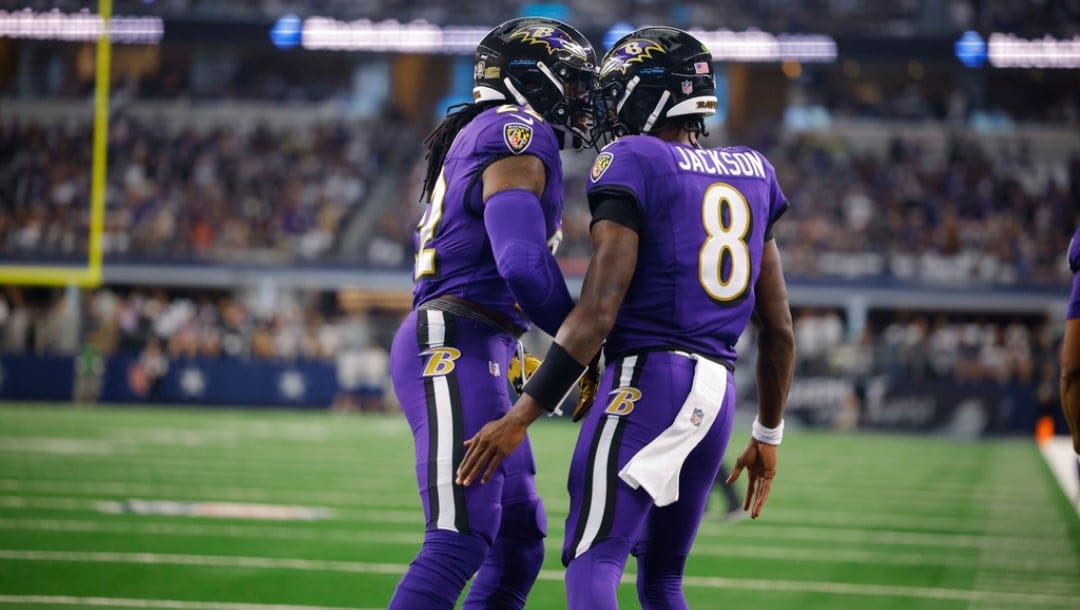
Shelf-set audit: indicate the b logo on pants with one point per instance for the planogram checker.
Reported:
(441, 361)
(623, 401)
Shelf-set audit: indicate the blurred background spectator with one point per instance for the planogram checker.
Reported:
(261, 196)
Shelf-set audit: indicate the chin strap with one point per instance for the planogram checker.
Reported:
(518, 97)
(664, 97)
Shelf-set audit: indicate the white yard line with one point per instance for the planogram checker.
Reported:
(762, 531)
(97, 504)
(410, 503)
(256, 532)
(1052, 528)
(1024, 599)
(913, 498)
(209, 492)
(358, 497)
(1045, 565)
(1065, 566)
(164, 604)
(1024, 544)
(1015, 600)
(230, 561)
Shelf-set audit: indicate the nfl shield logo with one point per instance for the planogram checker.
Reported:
(687, 87)
(493, 368)
(697, 416)
(517, 137)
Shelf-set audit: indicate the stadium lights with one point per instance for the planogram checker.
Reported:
(757, 46)
(422, 37)
(1009, 51)
(323, 33)
(971, 49)
(78, 27)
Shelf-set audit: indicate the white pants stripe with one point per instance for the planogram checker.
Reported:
(598, 499)
(443, 451)
(444, 456)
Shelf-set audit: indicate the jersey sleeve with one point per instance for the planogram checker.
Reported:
(778, 202)
(1074, 252)
(618, 173)
(513, 130)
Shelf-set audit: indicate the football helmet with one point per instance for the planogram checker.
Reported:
(650, 75)
(542, 63)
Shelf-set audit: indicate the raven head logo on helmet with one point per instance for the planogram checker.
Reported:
(554, 39)
(544, 64)
(652, 75)
(629, 52)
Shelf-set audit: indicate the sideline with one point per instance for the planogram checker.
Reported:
(1058, 453)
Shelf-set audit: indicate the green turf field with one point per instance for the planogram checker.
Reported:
(855, 521)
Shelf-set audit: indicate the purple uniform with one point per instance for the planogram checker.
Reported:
(449, 368)
(705, 215)
(453, 251)
(1074, 265)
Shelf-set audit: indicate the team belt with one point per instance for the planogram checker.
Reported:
(465, 309)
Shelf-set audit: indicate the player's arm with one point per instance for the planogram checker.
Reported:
(577, 341)
(514, 222)
(775, 366)
(775, 338)
(1070, 379)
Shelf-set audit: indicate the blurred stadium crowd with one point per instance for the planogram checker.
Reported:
(159, 327)
(904, 17)
(279, 195)
(226, 194)
(163, 326)
(982, 207)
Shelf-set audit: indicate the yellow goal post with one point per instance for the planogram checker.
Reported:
(90, 273)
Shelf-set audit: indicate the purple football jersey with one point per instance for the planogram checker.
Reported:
(453, 251)
(706, 213)
(1074, 265)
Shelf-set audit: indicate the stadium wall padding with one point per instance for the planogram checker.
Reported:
(216, 381)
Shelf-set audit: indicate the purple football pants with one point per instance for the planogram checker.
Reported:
(608, 520)
(449, 373)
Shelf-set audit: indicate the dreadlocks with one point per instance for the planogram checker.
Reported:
(439, 140)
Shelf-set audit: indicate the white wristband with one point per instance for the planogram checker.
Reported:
(769, 436)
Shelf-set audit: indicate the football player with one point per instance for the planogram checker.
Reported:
(683, 258)
(484, 269)
(1070, 351)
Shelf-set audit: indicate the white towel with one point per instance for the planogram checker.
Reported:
(656, 466)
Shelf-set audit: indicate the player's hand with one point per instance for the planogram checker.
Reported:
(587, 387)
(759, 459)
(514, 374)
(485, 451)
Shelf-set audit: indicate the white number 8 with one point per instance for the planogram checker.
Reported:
(721, 239)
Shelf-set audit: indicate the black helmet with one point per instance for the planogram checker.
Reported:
(650, 75)
(542, 63)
